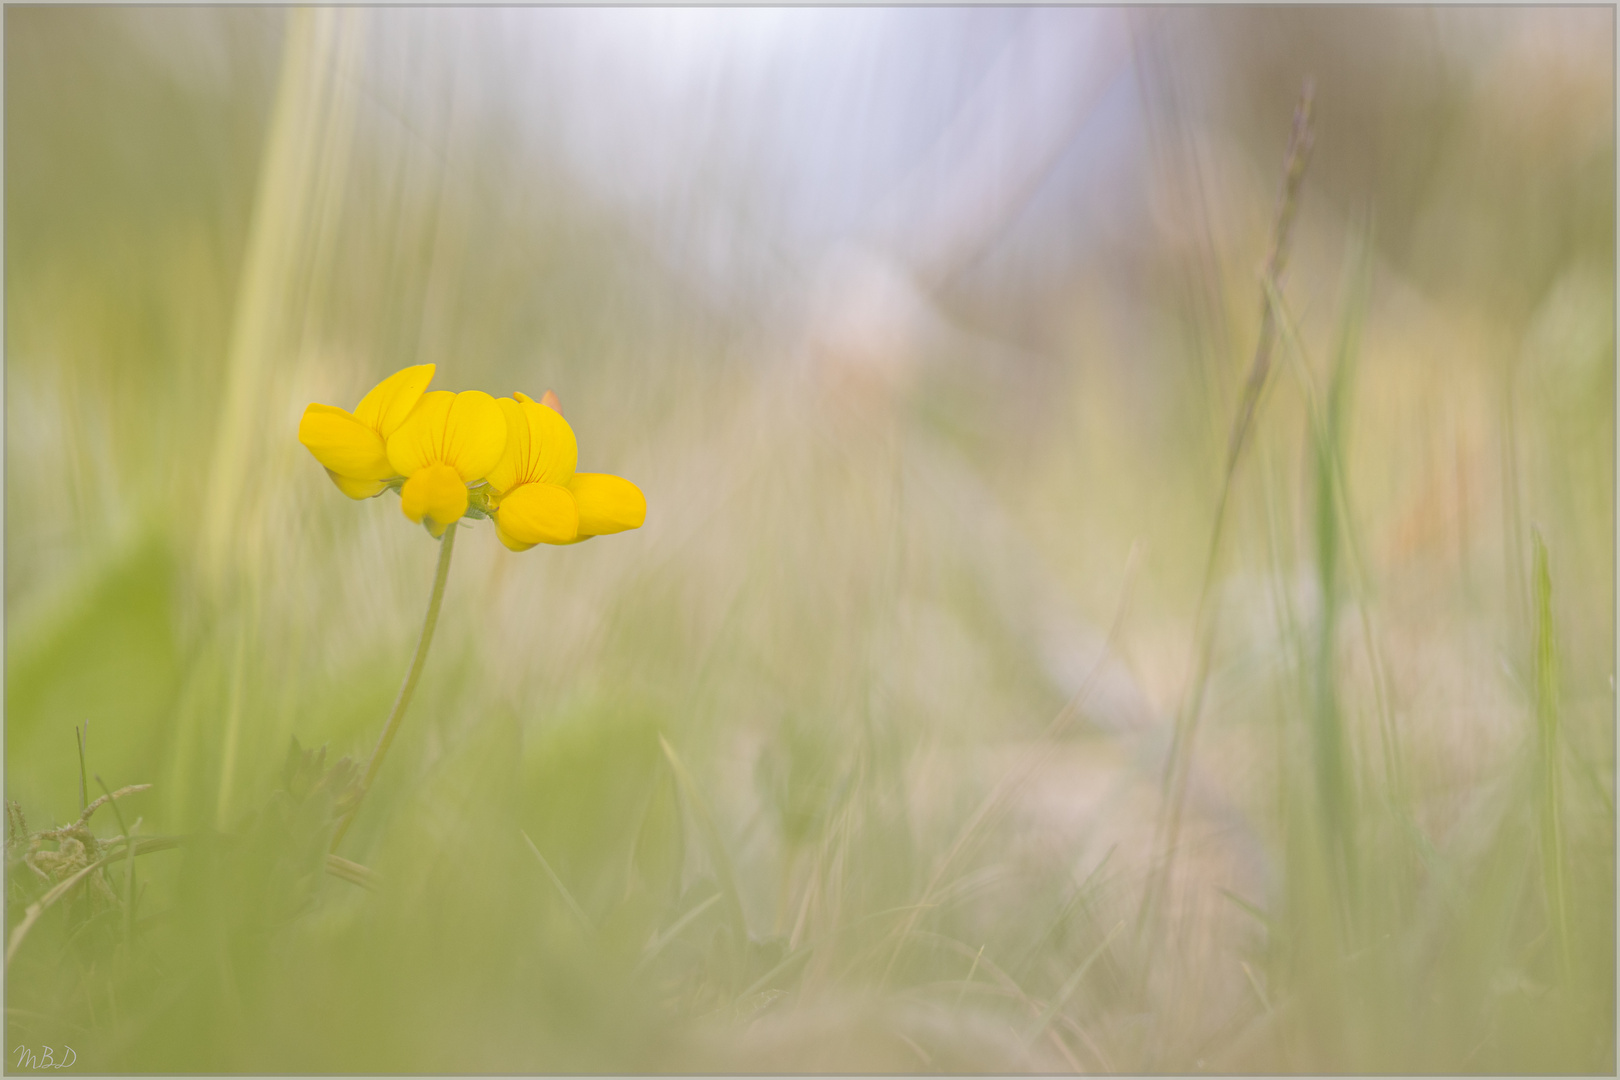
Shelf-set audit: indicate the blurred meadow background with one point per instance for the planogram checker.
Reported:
(963, 704)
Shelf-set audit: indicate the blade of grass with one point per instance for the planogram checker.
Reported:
(81, 740)
(1288, 634)
(657, 944)
(1260, 916)
(1034, 1031)
(1173, 788)
(1549, 809)
(781, 968)
(1011, 987)
(1329, 752)
(129, 873)
(1080, 896)
(296, 203)
(971, 971)
(998, 798)
(717, 848)
(568, 897)
(1248, 972)
(1326, 418)
(1347, 352)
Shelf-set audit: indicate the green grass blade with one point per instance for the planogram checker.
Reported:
(568, 897)
(1034, 1031)
(1548, 786)
(790, 960)
(657, 945)
(717, 848)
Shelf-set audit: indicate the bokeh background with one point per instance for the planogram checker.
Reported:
(923, 332)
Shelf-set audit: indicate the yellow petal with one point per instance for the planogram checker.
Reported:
(521, 396)
(540, 447)
(607, 504)
(465, 431)
(506, 538)
(474, 435)
(537, 514)
(391, 401)
(504, 476)
(343, 444)
(435, 492)
(416, 443)
(357, 489)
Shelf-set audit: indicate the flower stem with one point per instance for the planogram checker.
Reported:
(408, 687)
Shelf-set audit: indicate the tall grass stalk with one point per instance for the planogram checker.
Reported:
(1549, 762)
(1173, 784)
(1346, 354)
(1330, 750)
(295, 216)
(285, 276)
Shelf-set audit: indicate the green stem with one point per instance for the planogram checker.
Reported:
(408, 687)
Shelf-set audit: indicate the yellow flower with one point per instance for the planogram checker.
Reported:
(353, 446)
(433, 447)
(540, 498)
(448, 442)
